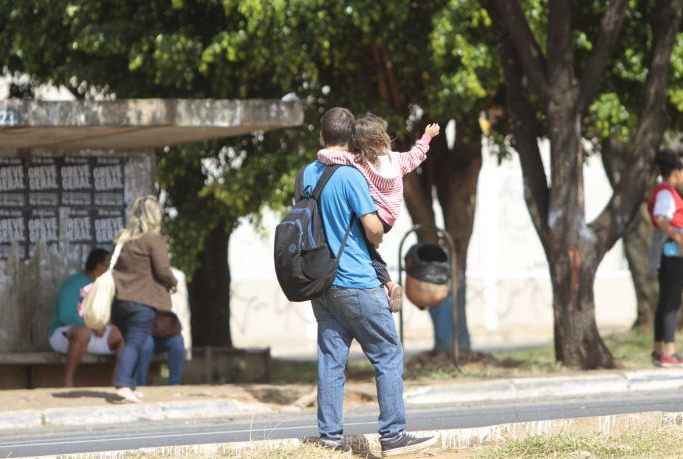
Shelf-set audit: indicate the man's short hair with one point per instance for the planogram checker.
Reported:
(95, 257)
(336, 126)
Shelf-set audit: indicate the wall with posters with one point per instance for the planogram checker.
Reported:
(52, 199)
(53, 210)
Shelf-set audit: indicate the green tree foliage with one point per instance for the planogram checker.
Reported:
(325, 52)
(366, 55)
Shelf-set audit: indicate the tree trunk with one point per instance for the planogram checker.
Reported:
(637, 239)
(572, 251)
(548, 82)
(456, 183)
(209, 292)
(454, 174)
(577, 340)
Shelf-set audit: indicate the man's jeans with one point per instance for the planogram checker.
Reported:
(135, 322)
(344, 314)
(174, 345)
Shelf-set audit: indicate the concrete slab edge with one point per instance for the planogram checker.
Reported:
(498, 390)
(558, 387)
(448, 439)
(88, 415)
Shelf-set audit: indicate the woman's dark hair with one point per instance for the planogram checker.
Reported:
(95, 257)
(369, 138)
(667, 161)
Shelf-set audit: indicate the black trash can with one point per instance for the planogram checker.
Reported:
(428, 274)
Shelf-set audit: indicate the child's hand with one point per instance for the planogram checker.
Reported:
(432, 130)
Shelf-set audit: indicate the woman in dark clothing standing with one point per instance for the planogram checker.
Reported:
(143, 281)
(666, 210)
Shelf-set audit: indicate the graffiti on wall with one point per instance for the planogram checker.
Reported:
(46, 199)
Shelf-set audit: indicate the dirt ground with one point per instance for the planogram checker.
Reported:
(276, 396)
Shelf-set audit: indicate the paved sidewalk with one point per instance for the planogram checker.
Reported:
(23, 409)
(556, 386)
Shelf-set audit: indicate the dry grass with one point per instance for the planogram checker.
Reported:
(256, 452)
(666, 442)
(631, 351)
(303, 452)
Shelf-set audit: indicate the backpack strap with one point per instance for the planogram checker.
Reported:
(322, 181)
(299, 185)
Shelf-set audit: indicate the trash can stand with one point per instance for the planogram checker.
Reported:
(441, 235)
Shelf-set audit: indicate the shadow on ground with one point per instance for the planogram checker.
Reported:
(276, 395)
(106, 396)
(84, 394)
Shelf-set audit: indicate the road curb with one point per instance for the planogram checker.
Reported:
(115, 414)
(555, 386)
(450, 439)
(25, 419)
(483, 391)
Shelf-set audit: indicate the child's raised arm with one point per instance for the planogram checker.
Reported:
(330, 156)
(410, 160)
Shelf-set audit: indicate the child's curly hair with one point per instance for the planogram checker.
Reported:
(369, 138)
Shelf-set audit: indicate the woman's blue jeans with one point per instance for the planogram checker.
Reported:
(174, 346)
(135, 321)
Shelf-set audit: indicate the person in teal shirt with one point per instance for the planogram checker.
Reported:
(68, 333)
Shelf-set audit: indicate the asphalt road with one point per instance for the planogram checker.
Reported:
(53, 441)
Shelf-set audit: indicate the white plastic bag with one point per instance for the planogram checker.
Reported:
(181, 307)
(97, 303)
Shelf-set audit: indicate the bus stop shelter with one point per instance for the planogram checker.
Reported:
(68, 171)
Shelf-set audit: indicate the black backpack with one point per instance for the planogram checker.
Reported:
(304, 264)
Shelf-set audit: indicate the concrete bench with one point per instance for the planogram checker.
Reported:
(208, 365)
(28, 370)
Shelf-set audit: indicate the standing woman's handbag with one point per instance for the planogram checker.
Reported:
(97, 303)
(166, 324)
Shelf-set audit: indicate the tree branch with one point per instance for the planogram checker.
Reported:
(610, 225)
(560, 47)
(418, 198)
(510, 17)
(525, 131)
(596, 64)
(614, 154)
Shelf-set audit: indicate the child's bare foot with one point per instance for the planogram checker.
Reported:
(395, 293)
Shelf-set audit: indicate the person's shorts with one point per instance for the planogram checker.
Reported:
(59, 341)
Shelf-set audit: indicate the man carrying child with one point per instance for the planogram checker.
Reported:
(356, 306)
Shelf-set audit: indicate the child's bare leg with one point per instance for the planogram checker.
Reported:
(395, 294)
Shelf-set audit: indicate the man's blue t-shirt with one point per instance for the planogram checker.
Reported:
(66, 308)
(345, 195)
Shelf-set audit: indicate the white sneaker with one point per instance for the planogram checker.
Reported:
(127, 395)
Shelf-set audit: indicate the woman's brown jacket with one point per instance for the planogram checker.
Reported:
(143, 272)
